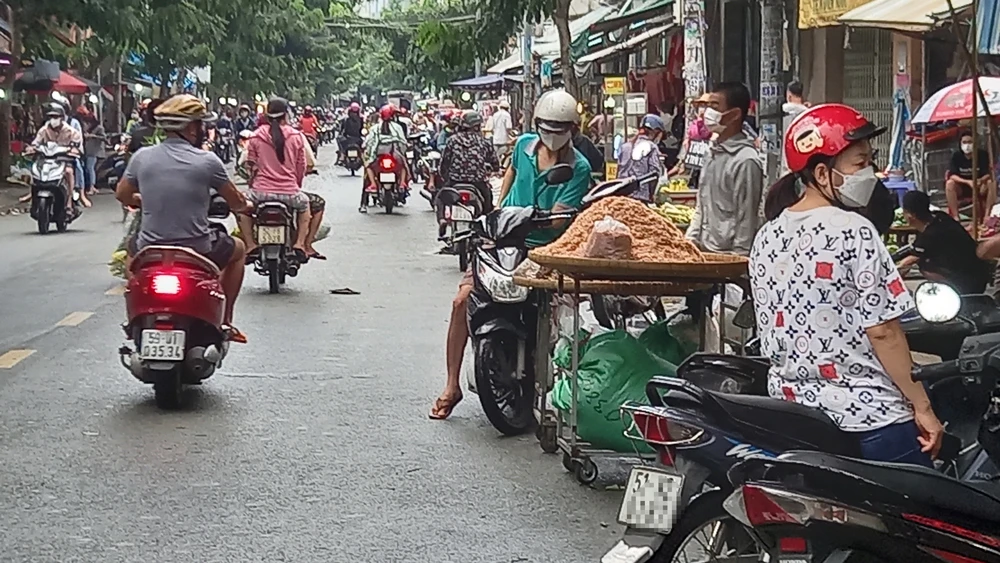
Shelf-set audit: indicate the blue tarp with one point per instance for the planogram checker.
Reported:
(988, 19)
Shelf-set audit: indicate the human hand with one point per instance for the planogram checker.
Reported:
(931, 431)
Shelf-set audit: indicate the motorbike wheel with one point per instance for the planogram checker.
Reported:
(62, 224)
(462, 249)
(506, 401)
(169, 391)
(43, 218)
(388, 201)
(699, 517)
(353, 172)
(273, 276)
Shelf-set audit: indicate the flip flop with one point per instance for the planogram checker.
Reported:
(234, 334)
(252, 256)
(443, 408)
(300, 255)
(317, 256)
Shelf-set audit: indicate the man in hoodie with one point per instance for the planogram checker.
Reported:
(732, 178)
(795, 103)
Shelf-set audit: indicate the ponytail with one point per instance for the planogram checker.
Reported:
(277, 137)
(386, 130)
(782, 195)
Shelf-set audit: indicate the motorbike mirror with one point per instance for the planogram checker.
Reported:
(642, 149)
(745, 316)
(559, 174)
(937, 302)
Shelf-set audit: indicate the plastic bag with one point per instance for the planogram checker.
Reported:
(610, 239)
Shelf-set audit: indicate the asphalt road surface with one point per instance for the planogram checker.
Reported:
(311, 445)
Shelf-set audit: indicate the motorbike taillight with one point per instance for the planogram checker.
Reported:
(166, 284)
(464, 197)
(386, 163)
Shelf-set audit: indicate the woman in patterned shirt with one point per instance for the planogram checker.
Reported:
(828, 297)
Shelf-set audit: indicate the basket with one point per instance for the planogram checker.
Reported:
(715, 268)
(610, 287)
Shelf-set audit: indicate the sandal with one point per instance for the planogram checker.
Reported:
(252, 256)
(234, 334)
(443, 407)
(316, 255)
(300, 255)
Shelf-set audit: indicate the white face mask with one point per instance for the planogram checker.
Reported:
(967, 148)
(554, 141)
(713, 120)
(55, 122)
(857, 189)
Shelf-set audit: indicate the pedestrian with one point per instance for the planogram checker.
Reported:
(651, 131)
(93, 150)
(732, 179)
(794, 105)
(73, 120)
(502, 125)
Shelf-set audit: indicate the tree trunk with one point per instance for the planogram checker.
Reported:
(561, 18)
(119, 122)
(8, 88)
(165, 82)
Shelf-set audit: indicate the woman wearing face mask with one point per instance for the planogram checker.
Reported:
(828, 297)
(960, 183)
(651, 131)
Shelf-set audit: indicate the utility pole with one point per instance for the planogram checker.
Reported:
(772, 86)
(479, 60)
(528, 87)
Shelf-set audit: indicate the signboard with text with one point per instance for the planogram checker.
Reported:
(614, 85)
(822, 13)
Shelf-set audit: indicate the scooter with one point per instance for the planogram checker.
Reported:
(49, 190)
(430, 168)
(387, 192)
(111, 168)
(276, 228)
(503, 315)
(175, 308)
(223, 144)
(352, 155)
(457, 207)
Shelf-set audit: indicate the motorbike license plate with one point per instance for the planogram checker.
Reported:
(460, 214)
(352, 154)
(165, 345)
(652, 499)
(387, 177)
(270, 235)
(409, 154)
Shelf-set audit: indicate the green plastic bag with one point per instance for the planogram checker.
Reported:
(614, 368)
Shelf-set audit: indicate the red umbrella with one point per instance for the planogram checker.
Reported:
(67, 84)
(954, 102)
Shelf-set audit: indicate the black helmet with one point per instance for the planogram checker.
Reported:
(55, 109)
(471, 120)
(277, 108)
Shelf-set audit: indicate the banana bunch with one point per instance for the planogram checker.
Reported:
(676, 214)
(675, 185)
(117, 264)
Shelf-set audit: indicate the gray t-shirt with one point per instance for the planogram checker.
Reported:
(175, 181)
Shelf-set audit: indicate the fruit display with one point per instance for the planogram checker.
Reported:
(675, 185)
(679, 215)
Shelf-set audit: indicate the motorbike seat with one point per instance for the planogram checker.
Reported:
(753, 367)
(170, 255)
(769, 418)
(919, 484)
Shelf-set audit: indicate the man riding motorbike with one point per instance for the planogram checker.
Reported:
(146, 132)
(385, 138)
(469, 158)
(308, 124)
(244, 121)
(451, 125)
(351, 129)
(523, 186)
(172, 182)
(57, 131)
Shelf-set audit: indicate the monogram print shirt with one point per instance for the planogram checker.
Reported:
(819, 279)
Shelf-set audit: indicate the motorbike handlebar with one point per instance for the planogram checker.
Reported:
(936, 372)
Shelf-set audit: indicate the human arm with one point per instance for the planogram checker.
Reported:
(989, 249)
(955, 168)
(302, 160)
(748, 182)
(224, 185)
(127, 191)
(446, 157)
(491, 155)
(905, 264)
(508, 181)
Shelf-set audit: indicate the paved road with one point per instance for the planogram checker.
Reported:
(312, 445)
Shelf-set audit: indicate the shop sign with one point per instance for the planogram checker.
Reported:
(610, 170)
(614, 85)
(823, 13)
(696, 153)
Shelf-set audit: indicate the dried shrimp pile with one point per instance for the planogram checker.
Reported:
(655, 239)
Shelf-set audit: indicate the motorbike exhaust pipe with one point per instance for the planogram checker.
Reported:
(200, 358)
(427, 194)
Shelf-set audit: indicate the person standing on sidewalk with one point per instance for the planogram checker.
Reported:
(502, 125)
(93, 150)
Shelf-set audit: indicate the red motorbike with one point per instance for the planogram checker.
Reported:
(388, 191)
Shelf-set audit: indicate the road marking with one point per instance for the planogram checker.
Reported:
(116, 290)
(74, 319)
(13, 357)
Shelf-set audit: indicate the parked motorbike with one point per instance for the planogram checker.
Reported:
(224, 144)
(416, 147)
(48, 187)
(352, 155)
(387, 192)
(111, 168)
(700, 433)
(175, 309)
(502, 315)
(458, 206)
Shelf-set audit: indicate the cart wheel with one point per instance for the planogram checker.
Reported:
(585, 470)
(568, 463)
(547, 438)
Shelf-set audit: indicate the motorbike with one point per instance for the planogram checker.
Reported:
(241, 150)
(223, 144)
(458, 206)
(429, 167)
(502, 316)
(714, 414)
(352, 155)
(111, 168)
(416, 147)
(275, 228)
(313, 142)
(49, 190)
(387, 192)
(175, 308)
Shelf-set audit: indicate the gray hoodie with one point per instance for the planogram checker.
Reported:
(791, 111)
(729, 194)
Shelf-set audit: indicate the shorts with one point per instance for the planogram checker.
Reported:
(298, 201)
(316, 203)
(221, 247)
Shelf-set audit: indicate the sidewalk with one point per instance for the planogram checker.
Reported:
(9, 194)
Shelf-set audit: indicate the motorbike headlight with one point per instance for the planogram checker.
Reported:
(500, 286)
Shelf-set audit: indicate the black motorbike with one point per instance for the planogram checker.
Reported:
(810, 506)
(275, 227)
(457, 207)
(225, 144)
(503, 315)
(111, 168)
(49, 190)
(352, 155)
(416, 147)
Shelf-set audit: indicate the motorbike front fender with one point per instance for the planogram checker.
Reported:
(500, 325)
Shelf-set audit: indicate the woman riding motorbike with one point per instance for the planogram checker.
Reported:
(828, 297)
(385, 138)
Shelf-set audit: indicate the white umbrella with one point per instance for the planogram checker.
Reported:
(953, 103)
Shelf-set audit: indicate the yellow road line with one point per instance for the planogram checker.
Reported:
(116, 290)
(73, 319)
(13, 357)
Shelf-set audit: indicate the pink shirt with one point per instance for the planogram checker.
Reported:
(272, 175)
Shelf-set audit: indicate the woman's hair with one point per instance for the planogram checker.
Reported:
(386, 130)
(277, 109)
(785, 192)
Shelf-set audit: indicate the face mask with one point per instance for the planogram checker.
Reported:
(55, 123)
(967, 148)
(555, 141)
(713, 120)
(856, 190)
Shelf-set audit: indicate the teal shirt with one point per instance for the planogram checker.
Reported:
(530, 190)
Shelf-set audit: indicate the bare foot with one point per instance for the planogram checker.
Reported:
(85, 201)
(444, 405)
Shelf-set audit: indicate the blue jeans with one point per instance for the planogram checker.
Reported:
(90, 171)
(896, 443)
(78, 174)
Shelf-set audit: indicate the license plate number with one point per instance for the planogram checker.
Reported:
(352, 154)
(409, 154)
(166, 345)
(386, 177)
(652, 499)
(270, 235)
(460, 214)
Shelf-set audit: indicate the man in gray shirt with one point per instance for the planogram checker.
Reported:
(172, 182)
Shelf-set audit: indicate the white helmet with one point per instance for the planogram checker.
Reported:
(556, 108)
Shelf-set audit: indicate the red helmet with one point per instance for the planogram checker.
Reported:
(387, 112)
(355, 107)
(826, 130)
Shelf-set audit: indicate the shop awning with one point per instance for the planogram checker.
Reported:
(546, 47)
(65, 83)
(902, 15)
(989, 27)
(486, 82)
(634, 14)
(627, 45)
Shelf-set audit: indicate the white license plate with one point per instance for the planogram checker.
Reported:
(352, 154)
(387, 177)
(652, 499)
(165, 345)
(460, 214)
(409, 154)
(270, 235)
